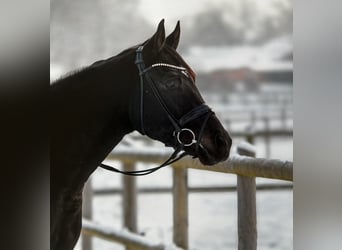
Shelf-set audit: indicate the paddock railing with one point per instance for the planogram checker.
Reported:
(244, 165)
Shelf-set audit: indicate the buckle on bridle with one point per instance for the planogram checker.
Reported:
(192, 134)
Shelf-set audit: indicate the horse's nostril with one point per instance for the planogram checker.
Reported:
(220, 141)
(223, 144)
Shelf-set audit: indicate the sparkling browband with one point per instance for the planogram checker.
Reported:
(167, 65)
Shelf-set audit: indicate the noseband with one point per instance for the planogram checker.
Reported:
(180, 131)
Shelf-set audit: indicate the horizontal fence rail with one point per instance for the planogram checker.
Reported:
(243, 133)
(199, 189)
(123, 236)
(241, 165)
(263, 132)
(244, 165)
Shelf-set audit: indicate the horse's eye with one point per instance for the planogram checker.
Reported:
(173, 82)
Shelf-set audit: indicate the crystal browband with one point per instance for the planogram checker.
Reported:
(167, 65)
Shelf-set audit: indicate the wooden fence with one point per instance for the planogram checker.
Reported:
(251, 131)
(244, 165)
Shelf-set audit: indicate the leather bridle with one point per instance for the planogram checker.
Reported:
(180, 131)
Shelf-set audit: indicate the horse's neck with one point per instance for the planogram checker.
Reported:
(90, 117)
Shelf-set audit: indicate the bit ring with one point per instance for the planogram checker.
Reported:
(193, 140)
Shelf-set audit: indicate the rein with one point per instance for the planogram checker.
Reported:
(178, 124)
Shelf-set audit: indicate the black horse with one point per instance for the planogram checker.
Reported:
(148, 88)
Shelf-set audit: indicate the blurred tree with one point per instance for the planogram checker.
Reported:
(277, 24)
(248, 18)
(83, 31)
(70, 33)
(228, 25)
(210, 29)
(285, 14)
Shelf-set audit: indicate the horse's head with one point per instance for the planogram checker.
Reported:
(169, 107)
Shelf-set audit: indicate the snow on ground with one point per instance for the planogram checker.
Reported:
(212, 216)
(212, 219)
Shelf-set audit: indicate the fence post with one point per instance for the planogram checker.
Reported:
(180, 208)
(284, 116)
(129, 200)
(87, 212)
(267, 137)
(253, 119)
(250, 137)
(246, 192)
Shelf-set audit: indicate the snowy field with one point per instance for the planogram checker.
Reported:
(212, 216)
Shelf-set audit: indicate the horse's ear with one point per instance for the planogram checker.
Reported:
(173, 39)
(157, 41)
